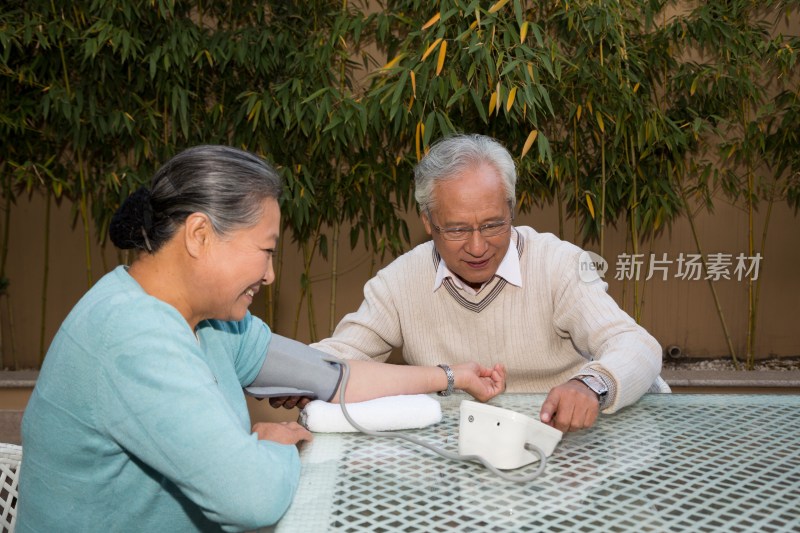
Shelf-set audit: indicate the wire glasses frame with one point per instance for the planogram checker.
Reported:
(492, 229)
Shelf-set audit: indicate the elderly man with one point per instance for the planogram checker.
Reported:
(488, 291)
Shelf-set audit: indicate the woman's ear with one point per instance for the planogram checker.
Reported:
(197, 232)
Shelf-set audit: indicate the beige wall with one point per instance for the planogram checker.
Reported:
(676, 311)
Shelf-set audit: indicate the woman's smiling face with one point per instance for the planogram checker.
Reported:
(241, 263)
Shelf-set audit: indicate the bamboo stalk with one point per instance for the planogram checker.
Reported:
(334, 276)
(46, 276)
(84, 212)
(720, 314)
(4, 292)
(751, 330)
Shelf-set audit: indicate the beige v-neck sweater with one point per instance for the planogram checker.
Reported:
(544, 332)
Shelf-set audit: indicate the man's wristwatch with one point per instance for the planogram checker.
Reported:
(596, 385)
(451, 381)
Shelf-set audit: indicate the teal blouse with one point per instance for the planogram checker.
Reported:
(138, 424)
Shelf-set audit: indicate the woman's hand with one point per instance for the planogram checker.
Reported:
(282, 432)
(480, 382)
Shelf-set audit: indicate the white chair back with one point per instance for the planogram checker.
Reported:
(10, 459)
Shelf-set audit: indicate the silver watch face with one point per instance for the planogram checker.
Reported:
(595, 384)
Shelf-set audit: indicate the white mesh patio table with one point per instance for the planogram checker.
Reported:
(669, 463)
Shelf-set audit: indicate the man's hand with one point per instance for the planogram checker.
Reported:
(570, 406)
(282, 432)
(480, 382)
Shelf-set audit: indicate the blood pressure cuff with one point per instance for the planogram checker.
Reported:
(292, 368)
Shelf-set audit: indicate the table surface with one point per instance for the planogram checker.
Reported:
(670, 462)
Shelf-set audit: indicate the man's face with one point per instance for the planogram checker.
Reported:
(474, 198)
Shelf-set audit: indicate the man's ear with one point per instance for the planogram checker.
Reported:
(197, 232)
(426, 221)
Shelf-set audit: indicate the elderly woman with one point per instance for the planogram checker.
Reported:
(138, 421)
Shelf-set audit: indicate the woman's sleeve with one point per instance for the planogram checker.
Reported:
(161, 403)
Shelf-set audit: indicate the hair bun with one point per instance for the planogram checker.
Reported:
(127, 224)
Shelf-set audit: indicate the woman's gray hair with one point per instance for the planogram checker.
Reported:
(226, 184)
(450, 156)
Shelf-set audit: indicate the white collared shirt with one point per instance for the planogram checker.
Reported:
(509, 270)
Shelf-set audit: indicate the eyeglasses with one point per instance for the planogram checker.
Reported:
(492, 229)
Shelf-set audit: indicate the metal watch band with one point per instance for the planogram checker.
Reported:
(596, 385)
(451, 381)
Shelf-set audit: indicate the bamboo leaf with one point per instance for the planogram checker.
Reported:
(600, 122)
(492, 102)
(442, 56)
(529, 142)
(523, 32)
(393, 62)
(430, 49)
(478, 105)
(511, 95)
(432, 21)
(498, 6)
(590, 205)
(413, 83)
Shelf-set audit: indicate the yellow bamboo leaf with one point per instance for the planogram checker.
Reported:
(442, 55)
(511, 95)
(473, 25)
(590, 205)
(410, 104)
(529, 142)
(600, 122)
(413, 84)
(253, 112)
(492, 102)
(530, 71)
(589, 106)
(432, 21)
(393, 62)
(498, 6)
(636, 87)
(431, 48)
(523, 32)
(418, 139)
(693, 88)
(578, 112)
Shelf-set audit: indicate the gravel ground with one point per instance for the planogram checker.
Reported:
(785, 364)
